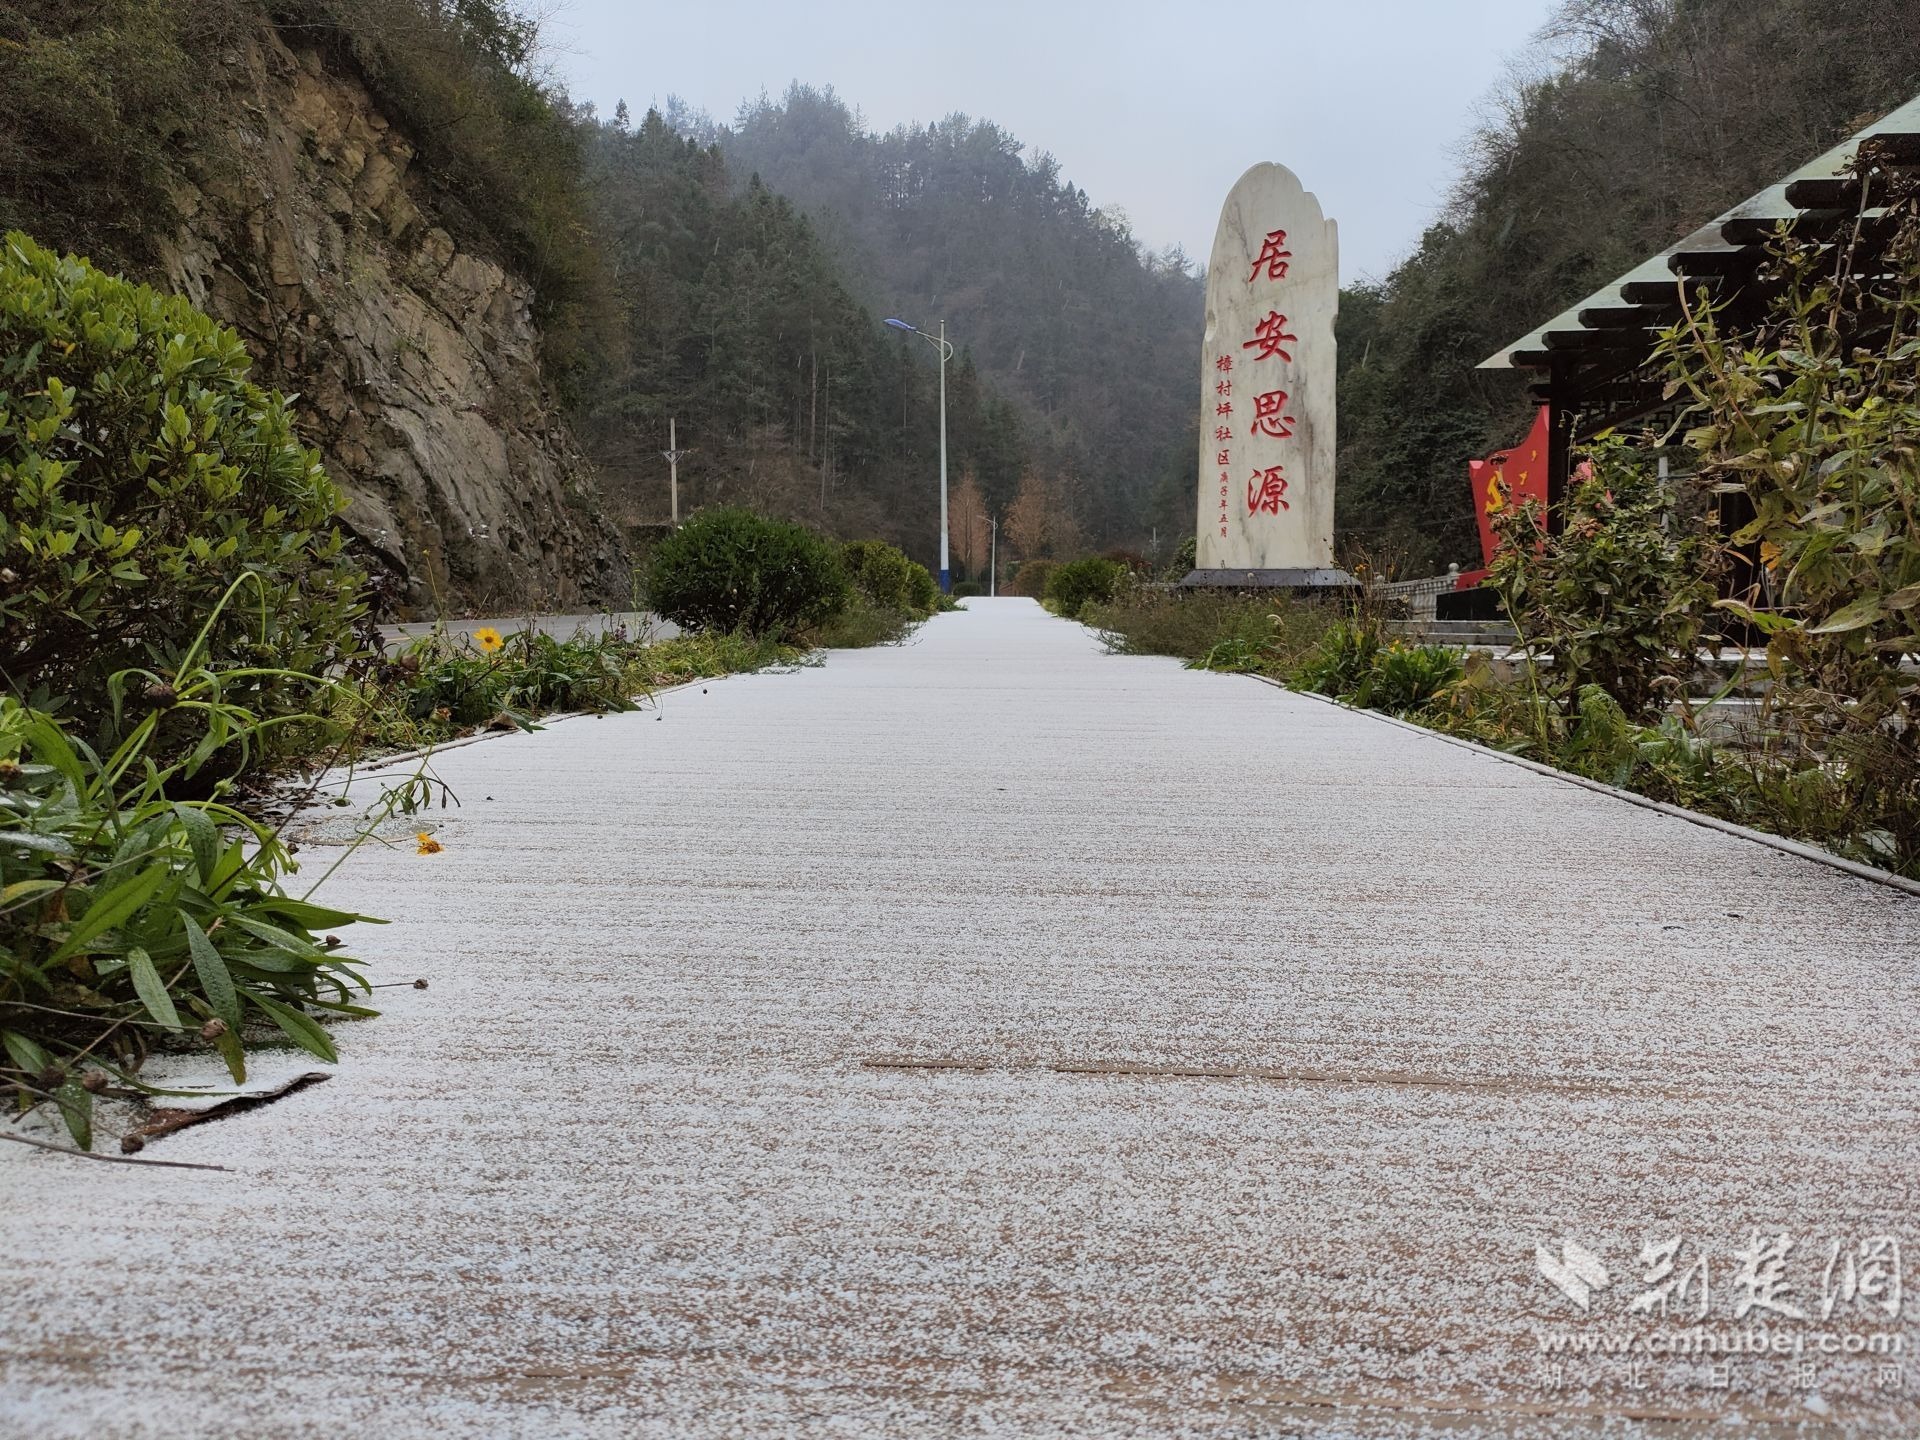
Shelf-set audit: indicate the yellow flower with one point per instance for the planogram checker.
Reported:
(488, 639)
(1769, 554)
(428, 845)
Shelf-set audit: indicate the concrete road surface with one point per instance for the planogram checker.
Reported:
(994, 1036)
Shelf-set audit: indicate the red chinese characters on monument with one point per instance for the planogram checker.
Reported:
(1271, 338)
(1275, 258)
(1270, 417)
(1267, 491)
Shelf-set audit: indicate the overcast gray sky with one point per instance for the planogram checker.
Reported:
(1149, 107)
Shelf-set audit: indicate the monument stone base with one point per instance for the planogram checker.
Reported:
(1327, 579)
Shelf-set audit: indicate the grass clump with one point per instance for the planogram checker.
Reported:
(131, 920)
(445, 685)
(1211, 629)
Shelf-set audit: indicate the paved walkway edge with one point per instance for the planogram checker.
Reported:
(1600, 787)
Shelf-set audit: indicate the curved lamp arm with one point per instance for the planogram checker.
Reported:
(945, 347)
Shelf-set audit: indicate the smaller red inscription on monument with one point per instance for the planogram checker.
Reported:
(1275, 258)
(1221, 432)
(1270, 337)
(1267, 491)
(1269, 417)
(1224, 362)
(1223, 409)
(1225, 387)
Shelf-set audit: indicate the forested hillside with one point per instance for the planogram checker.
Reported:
(303, 162)
(1057, 304)
(1658, 115)
(733, 319)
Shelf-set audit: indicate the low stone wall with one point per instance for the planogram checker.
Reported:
(1419, 595)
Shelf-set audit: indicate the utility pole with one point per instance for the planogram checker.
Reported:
(946, 572)
(993, 552)
(672, 455)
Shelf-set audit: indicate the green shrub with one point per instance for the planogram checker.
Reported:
(878, 571)
(1080, 582)
(923, 591)
(131, 919)
(968, 589)
(1030, 579)
(1621, 596)
(731, 569)
(141, 473)
(887, 579)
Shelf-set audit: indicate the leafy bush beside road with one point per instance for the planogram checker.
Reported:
(1093, 580)
(732, 569)
(883, 575)
(141, 473)
(891, 593)
(1622, 595)
(1030, 579)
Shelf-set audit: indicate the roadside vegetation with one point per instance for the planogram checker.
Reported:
(185, 634)
(1634, 618)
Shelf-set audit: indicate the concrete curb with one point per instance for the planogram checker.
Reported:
(1710, 822)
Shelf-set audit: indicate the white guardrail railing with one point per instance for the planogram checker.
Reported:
(1419, 595)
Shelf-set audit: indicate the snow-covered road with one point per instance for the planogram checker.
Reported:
(992, 1035)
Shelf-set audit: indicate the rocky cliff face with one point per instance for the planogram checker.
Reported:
(417, 362)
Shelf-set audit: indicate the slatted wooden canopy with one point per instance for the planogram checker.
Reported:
(1593, 362)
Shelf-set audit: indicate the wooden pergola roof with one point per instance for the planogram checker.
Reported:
(1594, 360)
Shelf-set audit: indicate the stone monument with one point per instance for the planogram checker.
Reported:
(1267, 390)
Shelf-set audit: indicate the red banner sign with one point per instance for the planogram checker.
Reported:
(1508, 477)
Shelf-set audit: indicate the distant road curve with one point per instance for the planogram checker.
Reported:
(561, 627)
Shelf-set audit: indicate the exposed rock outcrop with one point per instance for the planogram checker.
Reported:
(417, 362)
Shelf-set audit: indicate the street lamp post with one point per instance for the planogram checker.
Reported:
(941, 344)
